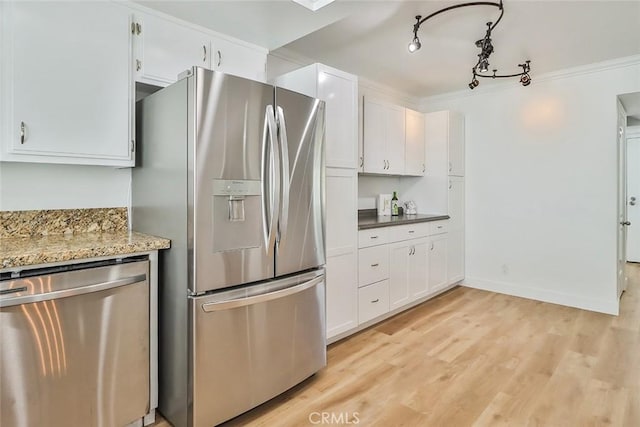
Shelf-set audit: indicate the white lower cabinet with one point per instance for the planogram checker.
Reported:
(408, 278)
(455, 256)
(419, 270)
(373, 264)
(373, 301)
(342, 251)
(438, 262)
(405, 263)
(342, 294)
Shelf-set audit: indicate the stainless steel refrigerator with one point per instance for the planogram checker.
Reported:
(232, 171)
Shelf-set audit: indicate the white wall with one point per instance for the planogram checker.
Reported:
(541, 188)
(27, 186)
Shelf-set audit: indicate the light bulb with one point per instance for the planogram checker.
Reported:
(414, 45)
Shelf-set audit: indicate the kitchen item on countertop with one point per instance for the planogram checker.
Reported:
(384, 204)
(410, 208)
(394, 204)
(243, 285)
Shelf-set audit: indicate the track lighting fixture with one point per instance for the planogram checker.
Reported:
(484, 44)
(415, 44)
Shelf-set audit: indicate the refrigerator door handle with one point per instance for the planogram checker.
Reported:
(242, 302)
(286, 175)
(270, 189)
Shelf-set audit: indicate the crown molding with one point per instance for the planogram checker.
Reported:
(291, 56)
(389, 91)
(596, 67)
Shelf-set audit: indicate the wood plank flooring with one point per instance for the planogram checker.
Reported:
(476, 358)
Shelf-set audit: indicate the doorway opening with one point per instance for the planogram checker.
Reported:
(628, 140)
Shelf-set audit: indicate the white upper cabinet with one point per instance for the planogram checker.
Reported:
(456, 144)
(414, 163)
(163, 49)
(238, 59)
(444, 134)
(65, 82)
(383, 137)
(339, 91)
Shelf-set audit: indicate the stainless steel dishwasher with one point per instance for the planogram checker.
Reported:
(74, 345)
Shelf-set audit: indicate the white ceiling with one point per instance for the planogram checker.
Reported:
(369, 38)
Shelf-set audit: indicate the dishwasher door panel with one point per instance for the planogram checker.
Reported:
(81, 360)
(249, 349)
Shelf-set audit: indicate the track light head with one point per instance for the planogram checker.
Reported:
(483, 67)
(525, 79)
(415, 44)
(474, 83)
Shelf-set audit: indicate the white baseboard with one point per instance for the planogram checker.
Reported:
(577, 301)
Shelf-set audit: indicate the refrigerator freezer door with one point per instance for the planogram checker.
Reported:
(300, 241)
(251, 344)
(235, 181)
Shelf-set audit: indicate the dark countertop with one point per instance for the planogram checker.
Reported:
(369, 219)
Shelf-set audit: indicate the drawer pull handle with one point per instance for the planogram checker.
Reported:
(373, 237)
(411, 231)
(439, 226)
(375, 265)
(375, 300)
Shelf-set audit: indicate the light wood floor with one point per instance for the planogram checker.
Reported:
(477, 358)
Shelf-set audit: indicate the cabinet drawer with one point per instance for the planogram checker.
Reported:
(373, 264)
(372, 237)
(373, 301)
(409, 231)
(438, 227)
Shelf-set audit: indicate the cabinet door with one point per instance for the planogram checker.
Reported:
(340, 93)
(67, 95)
(414, 143)
(419, 269)
(399, 274)
(437, 140)
(456, 203)
(164, 49)
(341, 211)
(239, 60)
(342, 294)
(455, 257)
(456, 144)
(437, 262)
(374, 140)
(395, 139)
(342, 247)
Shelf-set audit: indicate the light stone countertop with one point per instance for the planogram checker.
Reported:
(27, 251)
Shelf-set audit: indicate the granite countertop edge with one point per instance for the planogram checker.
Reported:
(368, 222)
(16, 252)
